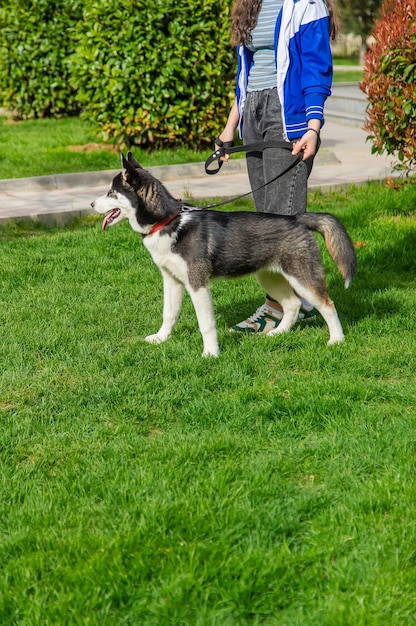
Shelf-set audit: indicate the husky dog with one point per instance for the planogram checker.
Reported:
(191, 246)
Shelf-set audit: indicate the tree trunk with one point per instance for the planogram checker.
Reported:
(363, 50)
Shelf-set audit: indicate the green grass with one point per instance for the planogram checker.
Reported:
(145, 485)
(45, 147)
(346, 60)
(348, 76)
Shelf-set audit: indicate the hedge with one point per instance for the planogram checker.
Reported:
(389, 83)
(153, 73)
(36, 41)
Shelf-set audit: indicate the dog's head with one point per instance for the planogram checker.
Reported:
(137, 196)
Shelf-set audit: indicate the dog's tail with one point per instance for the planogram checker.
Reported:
(337, 241)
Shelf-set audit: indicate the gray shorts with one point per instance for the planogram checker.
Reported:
(263, 122)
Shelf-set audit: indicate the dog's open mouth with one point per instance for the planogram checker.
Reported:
(110, 217)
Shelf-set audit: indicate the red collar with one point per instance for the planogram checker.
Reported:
(162, 224)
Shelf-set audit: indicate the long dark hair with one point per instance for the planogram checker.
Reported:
(245, 13)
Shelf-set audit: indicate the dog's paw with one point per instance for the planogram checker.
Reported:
(335, 340)
(277, 331)
(211, 352)
(156, 338)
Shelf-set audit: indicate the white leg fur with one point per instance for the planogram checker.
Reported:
(290, 306)
(326, 309)
(202, 301)
(172, 300)
(281, 290)
(278, 288)
(330, 315)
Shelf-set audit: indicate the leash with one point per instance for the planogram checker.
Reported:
(228, 147)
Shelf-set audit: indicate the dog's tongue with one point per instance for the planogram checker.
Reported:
(110, 217)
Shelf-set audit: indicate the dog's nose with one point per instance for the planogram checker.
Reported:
(93, 204)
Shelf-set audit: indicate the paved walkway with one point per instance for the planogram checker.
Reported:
(345, 157)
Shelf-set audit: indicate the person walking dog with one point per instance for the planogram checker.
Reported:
(284, 76)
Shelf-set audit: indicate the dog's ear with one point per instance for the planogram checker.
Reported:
(128, 169)
(133, 161)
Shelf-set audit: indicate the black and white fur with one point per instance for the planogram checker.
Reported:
(197, 246)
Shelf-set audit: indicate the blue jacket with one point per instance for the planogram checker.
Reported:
(303, 62)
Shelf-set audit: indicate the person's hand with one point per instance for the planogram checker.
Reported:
(307, 144)
(226, 135)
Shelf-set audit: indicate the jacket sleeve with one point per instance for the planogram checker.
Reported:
(316, 69)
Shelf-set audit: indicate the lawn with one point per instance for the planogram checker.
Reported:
(144, 485)
(348, 76)
(59, 146)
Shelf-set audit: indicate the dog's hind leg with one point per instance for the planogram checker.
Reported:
(202, 301)
(173, 291)
(328, 311)
(319, 298)
(330, 315)
(280, 290)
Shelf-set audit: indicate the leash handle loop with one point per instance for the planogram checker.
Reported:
(228, 147)
(216, 156)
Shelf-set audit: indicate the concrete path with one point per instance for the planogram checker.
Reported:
(345, 157)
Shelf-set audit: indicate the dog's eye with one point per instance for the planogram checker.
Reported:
(111, 193)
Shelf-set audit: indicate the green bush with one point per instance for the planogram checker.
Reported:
(389, 83)
(36, 41)
(155, 73)
(150, 74)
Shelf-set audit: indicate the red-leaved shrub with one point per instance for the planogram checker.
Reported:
(389, 83)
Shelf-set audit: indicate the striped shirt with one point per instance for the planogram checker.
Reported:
(263, 72)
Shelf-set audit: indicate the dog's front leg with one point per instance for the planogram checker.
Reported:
(202, 301)
(172, 299)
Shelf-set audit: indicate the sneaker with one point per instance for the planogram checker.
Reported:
(262, 321)
(306, 315)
